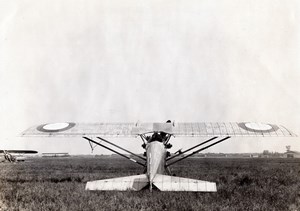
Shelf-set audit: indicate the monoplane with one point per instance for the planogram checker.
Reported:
(157, 159)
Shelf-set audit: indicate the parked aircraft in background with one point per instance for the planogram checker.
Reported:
(14, 155)
(157, 159)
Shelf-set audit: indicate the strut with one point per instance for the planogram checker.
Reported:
(125, 156)
(199, 150)
(121, 148)
(192, 148)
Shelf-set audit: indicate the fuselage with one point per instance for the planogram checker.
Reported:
(156, 159)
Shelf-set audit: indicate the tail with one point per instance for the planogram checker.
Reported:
(161, 182)
(170, 183)
(135, 183)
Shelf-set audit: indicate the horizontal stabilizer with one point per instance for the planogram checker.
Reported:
(135, 183)
(171, 183)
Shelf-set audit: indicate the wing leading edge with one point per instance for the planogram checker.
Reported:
(192, 129)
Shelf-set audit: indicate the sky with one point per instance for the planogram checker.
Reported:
(136, 60)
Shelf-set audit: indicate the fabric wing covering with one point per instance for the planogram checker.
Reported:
(194, 129)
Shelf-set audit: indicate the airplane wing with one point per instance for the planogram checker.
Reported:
(192, 129)
(81, 129)
(19, 151)
(231, 129)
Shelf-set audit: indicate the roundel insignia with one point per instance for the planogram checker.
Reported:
(55, 127)
(258, 127)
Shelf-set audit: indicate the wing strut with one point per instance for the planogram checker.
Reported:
(122, 148)
(199, 150)
(125, 156)
(191, 148)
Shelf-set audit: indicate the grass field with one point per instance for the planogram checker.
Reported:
(58, 184)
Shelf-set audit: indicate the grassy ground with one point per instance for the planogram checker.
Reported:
(58, 184)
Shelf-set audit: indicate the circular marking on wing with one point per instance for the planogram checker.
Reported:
(258, 127)
(55, 127)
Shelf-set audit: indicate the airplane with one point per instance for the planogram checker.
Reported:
(15, 155)
(156, 142)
